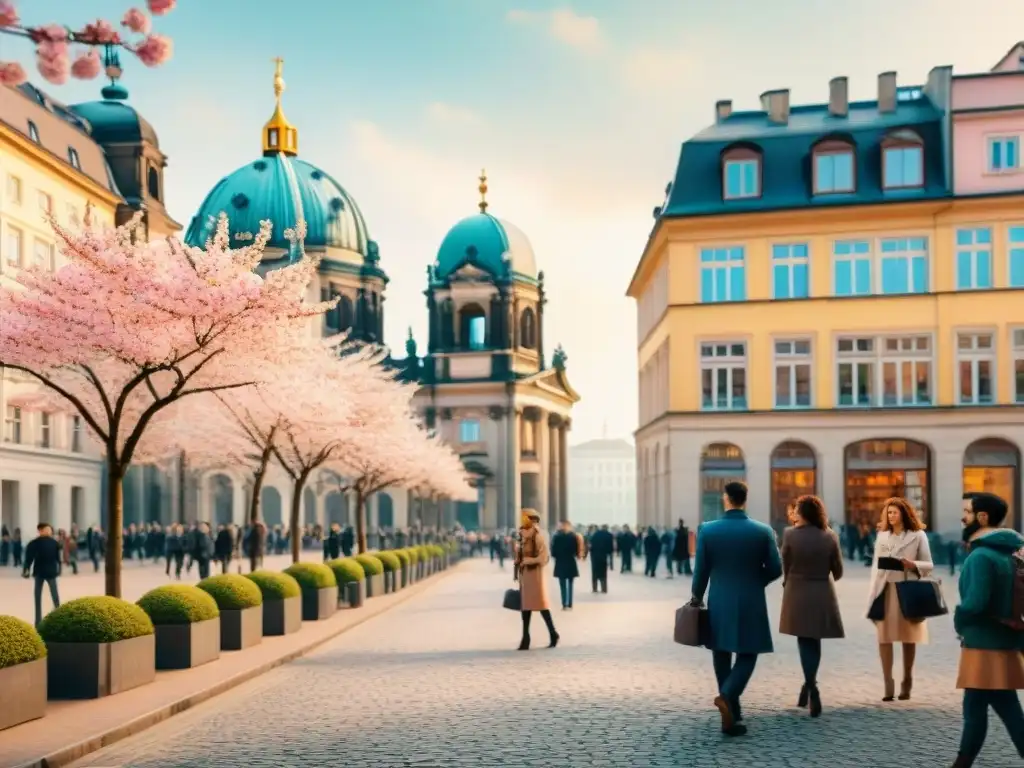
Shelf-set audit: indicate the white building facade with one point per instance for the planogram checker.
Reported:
(602, 482)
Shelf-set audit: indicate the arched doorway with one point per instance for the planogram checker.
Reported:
(222, 499)
(385, 511)
(993, 465)
(336, 508)
(720, 463)
(270, 506)
(794, 474)
(879, 469)
(309, 507)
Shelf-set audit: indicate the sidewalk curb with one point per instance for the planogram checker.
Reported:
(68, 755)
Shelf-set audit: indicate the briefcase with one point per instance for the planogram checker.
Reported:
(692, 627)
(513, 600)
(921, 599)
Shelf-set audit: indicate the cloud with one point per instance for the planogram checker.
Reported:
(452, 115)
(648, 67)
(583, 33)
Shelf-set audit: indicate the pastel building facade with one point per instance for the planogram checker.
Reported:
(830, 303)
(603, 488)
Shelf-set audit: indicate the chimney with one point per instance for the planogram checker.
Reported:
(722, 110)
(887, 92)
(838, 97)
(776, 104)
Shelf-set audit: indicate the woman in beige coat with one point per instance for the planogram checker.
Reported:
(531, 558)
(901, 536)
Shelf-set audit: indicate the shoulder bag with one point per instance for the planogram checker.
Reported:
(920, 599)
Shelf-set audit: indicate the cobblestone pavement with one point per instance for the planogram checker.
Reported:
(434, 683)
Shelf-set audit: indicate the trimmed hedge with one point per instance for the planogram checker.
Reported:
(178, 604)
(346, 570)
(274, 585)
(19, 642)
(95, 620)
(435, 551)
(403, 557)
(413, 554)
(232, 592)
(371, 564)
(424, 551)
(312, 575)
(390, 561)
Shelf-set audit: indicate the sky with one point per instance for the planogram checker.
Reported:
(577, 111)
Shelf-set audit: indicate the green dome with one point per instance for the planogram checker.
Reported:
(489, 243)
(112, 121)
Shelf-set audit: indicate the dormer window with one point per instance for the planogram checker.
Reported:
(73, 158)
(741, 174)
(834, 168)
(902, 161)
(33, 132)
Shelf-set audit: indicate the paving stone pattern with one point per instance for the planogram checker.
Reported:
(434, 683)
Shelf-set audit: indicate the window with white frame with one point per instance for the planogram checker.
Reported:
(851, 264)
(906, 370)
(722, 275)
(1003, 154)
(723, 376)
(903, 167)
(76, 434)
(45, 430)
(13, 189)
(790, 271)
(904, 265)
(976, 362)
(973, 258)
(833, 171)
(1018, 365)
(12, 257)
(12, 424)
(856, 371)
(42, 255)
(793, 373)
(1016, 256)
(742, 178)
(469, 431)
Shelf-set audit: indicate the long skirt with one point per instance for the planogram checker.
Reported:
(894, 628)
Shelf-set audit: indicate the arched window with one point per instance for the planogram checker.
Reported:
(834, 166)
(271, 508)
(720, 464)
(793, 470)
(902, 160)
(473, 327)
(741, 172)
(993, 465)
(153, 183)
(880, 469)
(528, 329)
(345, 313)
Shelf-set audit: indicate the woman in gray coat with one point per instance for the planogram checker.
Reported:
(811, 563)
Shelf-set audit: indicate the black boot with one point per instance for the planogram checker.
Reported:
(804, 693)
(546, 615)
(524, 644)
(815, 701)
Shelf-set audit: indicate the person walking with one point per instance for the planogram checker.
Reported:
(174, 549)
(69, 550)
(990, 623)
(5, 545)
(532, 555)
(224, 547)
(626, 541)
(812, 561)
(739, 558)
(901, 538)
(42, 561)
(203, 549)
(652, 552)
(565, 550)
(602, 550)
(681, 549)
(17, 547)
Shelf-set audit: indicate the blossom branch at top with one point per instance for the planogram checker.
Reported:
(55, 59)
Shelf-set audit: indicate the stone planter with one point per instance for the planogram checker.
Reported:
(22, 693)
(183, 646)
(405, 577)
(375, 585)
(421, 570)
(93, 670)
(389, 582)
(241, 628)
(319, 604)
(352, 594)
(282, 617)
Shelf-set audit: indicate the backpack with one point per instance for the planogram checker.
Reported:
(1016, 619)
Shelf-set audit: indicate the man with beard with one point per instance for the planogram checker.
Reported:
(602, 547)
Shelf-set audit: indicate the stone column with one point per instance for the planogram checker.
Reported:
(563, 474)
(554, 469)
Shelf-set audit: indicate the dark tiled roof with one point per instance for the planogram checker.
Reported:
(786, 158)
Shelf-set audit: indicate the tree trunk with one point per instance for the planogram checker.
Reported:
(293, 520)
(256, 541)
(360, 523)
(115, 526)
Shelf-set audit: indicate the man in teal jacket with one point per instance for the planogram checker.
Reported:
(992, 651)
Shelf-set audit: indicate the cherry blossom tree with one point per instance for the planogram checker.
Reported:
(55, 59)
(125, 329)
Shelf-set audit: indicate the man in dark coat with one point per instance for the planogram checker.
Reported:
(332, 544)
(565, 549)
(681, 549)
(602, 548)
(627, 543)
(348, 540)
(43, 559)
(652, 551)
(224, 547)
(739, 557)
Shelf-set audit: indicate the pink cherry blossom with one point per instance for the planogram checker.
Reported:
(137, 20)
(12, 73)
(99, 32)
(53, 33)
(154, 50)
(53, 62)
(87, 65)
(161, 7)
(8, 14)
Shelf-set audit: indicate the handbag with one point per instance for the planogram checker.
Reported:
(692, 626)
(513, 600)
(921, 599)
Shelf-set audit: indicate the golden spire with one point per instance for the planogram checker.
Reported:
(483, 191)
(279, 136)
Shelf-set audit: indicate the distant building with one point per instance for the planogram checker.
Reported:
(602, 482)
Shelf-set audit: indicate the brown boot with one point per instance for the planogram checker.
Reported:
(730, 726)
(905, 687)
(890, 690)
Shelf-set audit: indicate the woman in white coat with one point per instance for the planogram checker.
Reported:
(901, 536)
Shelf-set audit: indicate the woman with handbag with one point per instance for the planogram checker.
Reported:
(531, 558)
(901, 554)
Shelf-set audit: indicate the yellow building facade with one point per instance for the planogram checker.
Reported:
(857, 349)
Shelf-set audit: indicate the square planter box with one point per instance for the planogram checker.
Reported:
(352, 594)
(319, 604)
(389, 582)
(92, 670)
(282, 617)
(183, 646)
(405, 577)
(241, 629)
(22, 693)
(375, 585)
